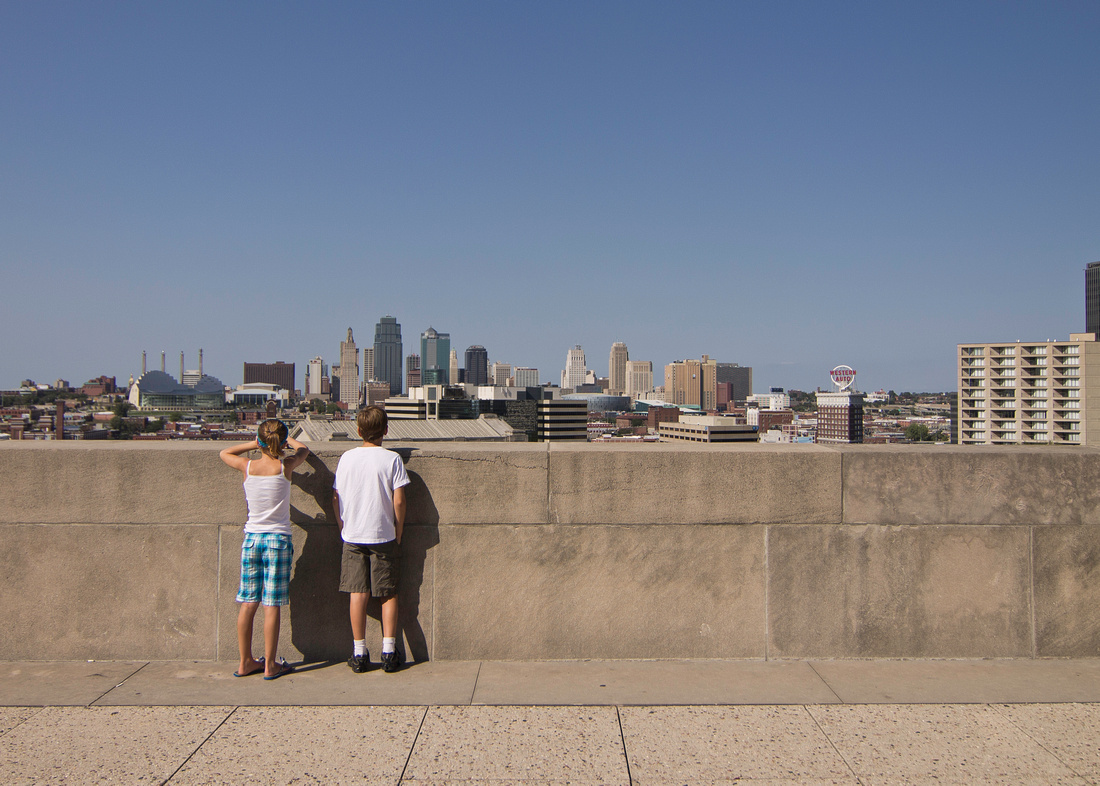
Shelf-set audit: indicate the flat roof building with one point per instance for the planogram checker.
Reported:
(1030, 392)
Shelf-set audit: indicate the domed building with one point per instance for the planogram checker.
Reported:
(157, 390)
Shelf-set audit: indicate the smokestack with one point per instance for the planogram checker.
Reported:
(143, 362)
(59, 421)
(181, 366)
(162, 353)
(200, 362)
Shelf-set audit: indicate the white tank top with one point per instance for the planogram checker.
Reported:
(268, 498)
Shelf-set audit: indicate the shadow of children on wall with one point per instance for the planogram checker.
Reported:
(320, 628)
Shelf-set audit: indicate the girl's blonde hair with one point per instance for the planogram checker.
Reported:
(272, 436)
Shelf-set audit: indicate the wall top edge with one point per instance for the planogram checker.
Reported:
(430, 449)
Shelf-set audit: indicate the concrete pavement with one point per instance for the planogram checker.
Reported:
(629, 722)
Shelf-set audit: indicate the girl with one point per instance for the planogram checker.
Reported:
(267, 552)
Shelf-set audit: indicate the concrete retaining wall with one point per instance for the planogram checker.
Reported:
(130, 551)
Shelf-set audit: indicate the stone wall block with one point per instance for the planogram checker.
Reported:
(106, 592)
(672, 484)
(952, 485)
(315, 626)
(598, 591)
(1067, 592)
(894, 592)
(479, 484)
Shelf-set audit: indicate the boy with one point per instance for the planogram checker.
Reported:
(369, 499)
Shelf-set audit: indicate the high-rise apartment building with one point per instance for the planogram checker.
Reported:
(692, 383)
(737, 375)
(616, 369)
(349, 373)
(526, 377)
(435, 357)
(1027, 393)
(277, 373)
(477, 365)
(315, 370)
(412, 372)
(502, 372)
(1092, 299)
(639, 378)
(573, 376)
(388, 353)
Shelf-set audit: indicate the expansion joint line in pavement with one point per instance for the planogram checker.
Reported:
(832, 744)
(626, 753)
(99, 698)
(198, 747)
(825, 682)
(412, 747)
(1068, 765)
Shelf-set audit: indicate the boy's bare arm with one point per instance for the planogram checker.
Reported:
(336, 510)
(399, 511)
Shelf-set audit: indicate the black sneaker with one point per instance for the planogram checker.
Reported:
(359, 663)
(392, 661)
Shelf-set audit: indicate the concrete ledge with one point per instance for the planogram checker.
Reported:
(130, 552)
(689, 484)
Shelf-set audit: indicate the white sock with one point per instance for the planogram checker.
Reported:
(388, 645)
(360, 646)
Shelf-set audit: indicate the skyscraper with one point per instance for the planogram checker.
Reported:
(692, 383)
(1092, 299)
(501, 374)
(314, 371)
(574, 373)
(454, 375)
(388, 353)
(616, 369)
(639, 378)
(368, 364)
(739, 376)
(477, 365)
(349, 373)
(435, 353)
(412, 371)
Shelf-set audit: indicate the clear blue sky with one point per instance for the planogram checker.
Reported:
(787, 185)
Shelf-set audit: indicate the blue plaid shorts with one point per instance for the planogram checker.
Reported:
(265, 566)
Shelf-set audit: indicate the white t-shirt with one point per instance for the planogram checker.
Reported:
(365, 480)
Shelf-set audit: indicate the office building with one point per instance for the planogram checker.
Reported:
(692, 383)
(502, 373)
(639, 378)
(454, 375)
(315, 371)
(477, 365)
(277, 373)
(616, 369)
(349, 373)
(1092, 299)
(375, 393)
(740, 377)
(526, 377)
(706, 428)
(839, 418)
(368, 364)
(573, 376)
(1028, 393)
(435, 357)
(388, 353)
(412, 372)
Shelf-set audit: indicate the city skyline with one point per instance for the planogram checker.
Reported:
(787, 187)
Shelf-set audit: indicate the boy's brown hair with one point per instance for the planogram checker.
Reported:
(372, 423)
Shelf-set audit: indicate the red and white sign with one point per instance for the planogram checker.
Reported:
(843, 376)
